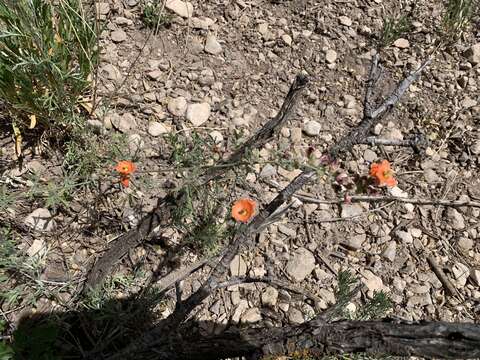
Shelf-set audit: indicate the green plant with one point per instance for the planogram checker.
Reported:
(154, 17)
(394, 28)
(458, 14)
(47, 54)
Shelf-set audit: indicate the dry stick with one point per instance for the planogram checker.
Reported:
(364, 198)
(449, 288)
(371, 118)
(161, 214)
(269, 280)
(317, 338)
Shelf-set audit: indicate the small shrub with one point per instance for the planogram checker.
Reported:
(47, 54)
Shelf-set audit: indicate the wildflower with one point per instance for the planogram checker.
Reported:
(243, 210)
(383, 174)
(125, 168)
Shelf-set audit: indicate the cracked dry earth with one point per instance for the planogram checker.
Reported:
(224, 67)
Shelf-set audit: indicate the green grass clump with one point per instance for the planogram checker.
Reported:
(154, 17)
(48, 52)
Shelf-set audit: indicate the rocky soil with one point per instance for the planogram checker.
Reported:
(223, 68)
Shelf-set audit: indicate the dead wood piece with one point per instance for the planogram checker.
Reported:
(448, 286)
(136, 236)
(423, 339)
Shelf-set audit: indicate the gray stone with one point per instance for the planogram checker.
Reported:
(238, 266)
(201, 22)
(295, 316)
(350, 210)
(465, 243)
(301, 264)
(37, 249)
(345, 20)
(456, 219)
(270, 296)
(216, 136)
(312, 128)
(461, 273)
(251, 316)
(390, 251)
(135, 142)
(198, 114)
(473, 54)
(475, 148)
(40, 220)
(475, 276)
(268, 171)
(370, 155)
(401, 43)
(404, 236)
(155, 74)
(355, 242)
(156, 129)
(123, 123)
(431, 176)
(372, 282)
(212, 46)
(103, 8)
(118, 36)
(111, 72)
(331, 56)
(181, 8)
(177, 106)
(242, 306)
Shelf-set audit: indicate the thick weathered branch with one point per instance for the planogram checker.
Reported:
(424, 339)
(134, 237)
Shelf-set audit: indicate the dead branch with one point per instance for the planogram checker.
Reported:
(372, 199)
(159, 215)
(424, 339)
(448, 286)
(272, 281)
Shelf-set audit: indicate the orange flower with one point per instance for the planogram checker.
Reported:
(125, 167)
(243, 210)
(383, 174)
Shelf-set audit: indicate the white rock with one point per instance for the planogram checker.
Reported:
(461, 273)
(270, 296)
(372, 282)
(456, 219)
(250, 316)
(345, 20)
(177, 106)
(331, 56)
(238, 266)
(390, 251)
(198, 114)
(216, 136)
(301, 264)
(350, 210)
(354, 242)
(475, 148)
(111, 72)
(295, 316)
(268, 171)
(103, 8)
(155, 74)
(181, 8)
(123, 123)
(201, 22)
(37, 248)
(242, 306)
(287, 39)
(312, 128)
(473, 54)
(118, 36)
(212, 46)
(135, 143)
(40, 220)
(401, 43)
(404, 236)
(475, 276)
(156, 129)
